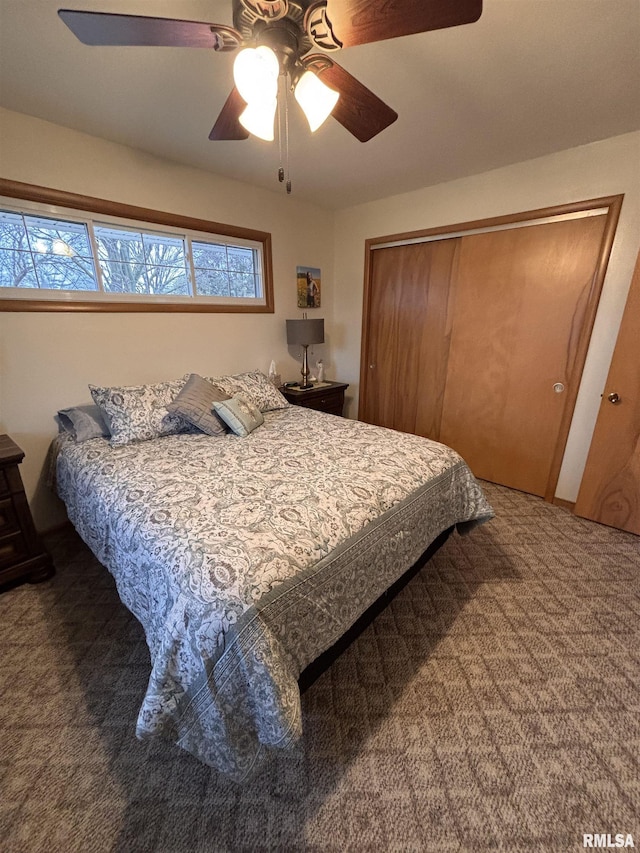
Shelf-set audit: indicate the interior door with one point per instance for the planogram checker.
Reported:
(408, 340)
(610, 488)
(520, 303)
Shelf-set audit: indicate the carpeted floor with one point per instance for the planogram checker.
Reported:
(494, 705)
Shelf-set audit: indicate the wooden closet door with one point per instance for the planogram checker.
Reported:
(610, 488)
(521, 297)
(409, 331)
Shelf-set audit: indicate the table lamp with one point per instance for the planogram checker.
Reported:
(304, 333)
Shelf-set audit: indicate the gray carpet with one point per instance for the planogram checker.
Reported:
(494, 705)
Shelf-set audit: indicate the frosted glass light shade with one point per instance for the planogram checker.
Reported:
(255, 73)
(258, 118)
(316, 99)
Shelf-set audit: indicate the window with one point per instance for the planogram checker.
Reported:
(36, 252)
(52, 256)
(145, 264)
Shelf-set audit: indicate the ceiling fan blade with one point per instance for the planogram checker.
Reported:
(104, 28)
(227, 125)
(365, 21)
(358, 110)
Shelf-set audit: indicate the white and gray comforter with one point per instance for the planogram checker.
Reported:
(245, 558)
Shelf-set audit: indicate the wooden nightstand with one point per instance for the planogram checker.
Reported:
(22, 555)
(325, 397)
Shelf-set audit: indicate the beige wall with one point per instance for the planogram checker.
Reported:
(590, 171)
(47, 359)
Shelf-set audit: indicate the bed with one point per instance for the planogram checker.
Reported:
(245, 558)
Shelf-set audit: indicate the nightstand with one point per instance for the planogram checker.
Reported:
(324, 396)
(22, 555)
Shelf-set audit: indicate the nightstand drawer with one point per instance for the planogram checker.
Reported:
(8, 519)
(13, 548)
(332, 403)
(327, 398)
(4, 484)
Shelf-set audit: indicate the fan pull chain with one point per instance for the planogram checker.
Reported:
(280, 168)
(283, 119)
(286, 136)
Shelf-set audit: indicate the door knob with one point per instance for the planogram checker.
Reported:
(558, 387)
(614, 398)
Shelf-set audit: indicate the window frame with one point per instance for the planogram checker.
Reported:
(101, 302)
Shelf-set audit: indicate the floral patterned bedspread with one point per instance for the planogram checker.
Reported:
(245, 558)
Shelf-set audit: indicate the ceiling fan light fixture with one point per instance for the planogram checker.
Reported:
(259, 118)
(316, 99)
(255, 73)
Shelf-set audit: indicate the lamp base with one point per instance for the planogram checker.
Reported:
(305, 369)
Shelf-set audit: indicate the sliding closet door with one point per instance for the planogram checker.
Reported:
(521, 298)
(476, 334)
(408, 336)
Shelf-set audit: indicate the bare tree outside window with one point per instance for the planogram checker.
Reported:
(223, 270)
(38, 252)
(133, 262)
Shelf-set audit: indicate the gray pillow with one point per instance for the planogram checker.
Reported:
(83, 422)
(240, 415)
(195, 404)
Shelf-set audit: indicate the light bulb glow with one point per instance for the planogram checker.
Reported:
(316, 99)
(255, 73)
(258, 118)
(60, 247)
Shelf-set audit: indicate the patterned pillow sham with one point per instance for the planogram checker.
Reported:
(254, 387)
(240, 415)
(139, 412)
(195, 402)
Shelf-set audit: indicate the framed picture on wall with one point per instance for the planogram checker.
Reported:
(309, 286)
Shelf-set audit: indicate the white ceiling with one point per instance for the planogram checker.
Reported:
(529, 78)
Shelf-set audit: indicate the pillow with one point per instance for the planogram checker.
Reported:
(254, 387)
(195, 404)
(139, 412)
(83, 423)
(240, 415)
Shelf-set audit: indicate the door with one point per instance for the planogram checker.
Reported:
(610, 488)
(476, 335)
(408, 351)
(520, 305)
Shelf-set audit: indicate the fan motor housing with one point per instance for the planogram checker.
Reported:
(278, 24)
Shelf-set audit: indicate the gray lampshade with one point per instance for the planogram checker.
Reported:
(305, 332)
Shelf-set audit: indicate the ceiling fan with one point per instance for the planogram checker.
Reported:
(278, 37)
